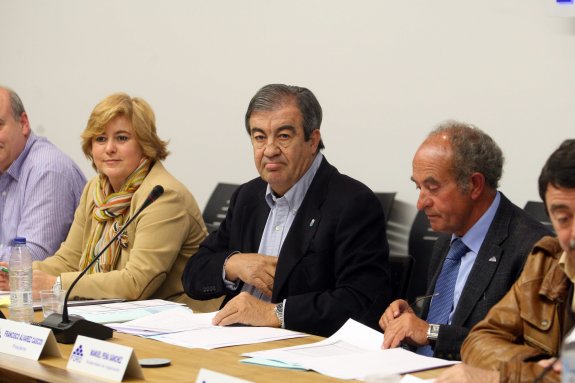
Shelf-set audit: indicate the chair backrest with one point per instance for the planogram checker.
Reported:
(217, 206)
(386, 200)
(397, 230)
(536, 210)
(421, 241)
(399, 264)
(399, 271)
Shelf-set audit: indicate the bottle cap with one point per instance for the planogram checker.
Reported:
(19, 241)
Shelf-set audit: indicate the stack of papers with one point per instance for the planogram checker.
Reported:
(122, 311)
(353, 352)
(181, 327)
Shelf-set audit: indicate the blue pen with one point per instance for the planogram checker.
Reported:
(4, 269)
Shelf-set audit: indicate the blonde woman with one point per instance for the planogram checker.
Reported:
(147, 261)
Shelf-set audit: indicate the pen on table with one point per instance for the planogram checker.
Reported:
(4, 269)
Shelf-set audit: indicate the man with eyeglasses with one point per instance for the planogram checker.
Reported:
(302, 247)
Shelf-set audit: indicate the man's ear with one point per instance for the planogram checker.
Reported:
(315, 138)
(25, 124)
(477, 185)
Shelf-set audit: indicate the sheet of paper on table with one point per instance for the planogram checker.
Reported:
(353, 352)
(122, 311)
(181, 327)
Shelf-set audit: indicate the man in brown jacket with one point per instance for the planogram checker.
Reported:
(523, 332)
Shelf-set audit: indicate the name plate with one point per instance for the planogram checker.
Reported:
(209, 376)
(103, 359)
(27, 341)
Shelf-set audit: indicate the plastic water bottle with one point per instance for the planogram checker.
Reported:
(568, 358)
(20, 265)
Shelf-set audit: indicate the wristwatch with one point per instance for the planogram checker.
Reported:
(433, 332)
(279, 311)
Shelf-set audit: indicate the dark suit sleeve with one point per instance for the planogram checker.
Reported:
(449, 343)
(357, 267)
(202, 277)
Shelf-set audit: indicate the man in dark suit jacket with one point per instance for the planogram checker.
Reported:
(457, 170)
(322, 261)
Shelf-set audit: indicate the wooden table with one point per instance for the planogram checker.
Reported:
(184, 368)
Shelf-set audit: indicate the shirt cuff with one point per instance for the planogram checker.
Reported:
(229, 284)
(284, 317)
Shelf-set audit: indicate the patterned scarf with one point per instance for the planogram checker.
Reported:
(109, 212)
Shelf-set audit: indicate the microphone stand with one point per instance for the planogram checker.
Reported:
(67, 327)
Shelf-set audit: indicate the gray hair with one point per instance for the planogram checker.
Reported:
(274, 96)
(16, 104)
(474, 151)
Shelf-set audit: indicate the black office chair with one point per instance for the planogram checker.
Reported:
(536, 210)
(397, 230)
(399, 264)
(386, 200)
(217, 206)
(421, 241)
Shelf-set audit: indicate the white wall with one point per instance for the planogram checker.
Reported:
(384, 71)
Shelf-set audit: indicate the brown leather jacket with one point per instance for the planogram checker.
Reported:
(528, 324)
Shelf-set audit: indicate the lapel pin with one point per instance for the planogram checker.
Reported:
(492, 259)
(311, 222)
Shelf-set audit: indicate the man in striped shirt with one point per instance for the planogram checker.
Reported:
(40, 186)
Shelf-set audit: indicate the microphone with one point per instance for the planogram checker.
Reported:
(67, 327)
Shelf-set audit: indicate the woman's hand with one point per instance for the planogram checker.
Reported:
(42, 281)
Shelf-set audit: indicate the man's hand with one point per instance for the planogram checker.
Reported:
(545, 363)
(464, 373)
(246, 309)
(256, 269)
(409, 328)
(4, 278)
(395, 309)
(399, 323)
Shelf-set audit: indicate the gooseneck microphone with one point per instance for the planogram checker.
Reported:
(67, 327)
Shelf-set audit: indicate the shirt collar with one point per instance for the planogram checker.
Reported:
(474, 237)
(294, 196)
(14, 168)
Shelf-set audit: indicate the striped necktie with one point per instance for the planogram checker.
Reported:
(442, 303)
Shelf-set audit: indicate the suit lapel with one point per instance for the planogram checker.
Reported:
(486, 263)
(255, 216)
(303, 228)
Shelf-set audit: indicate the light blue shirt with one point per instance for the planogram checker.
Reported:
(282, 213)
(39, 194)
(473, 239)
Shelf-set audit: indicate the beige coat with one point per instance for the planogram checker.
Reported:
(160, 241)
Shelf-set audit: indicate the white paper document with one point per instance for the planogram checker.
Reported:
(122, 311)
(414, 379)
(353, 352)
(176, 319)
(180, 326)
